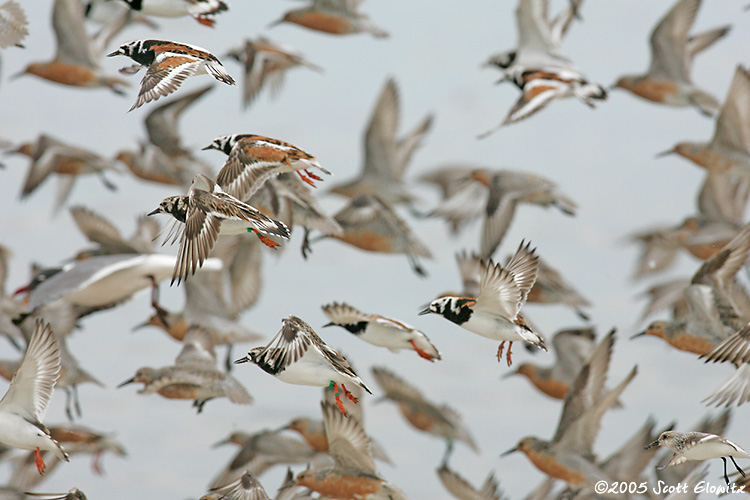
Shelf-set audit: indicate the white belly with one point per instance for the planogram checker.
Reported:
(492, 327)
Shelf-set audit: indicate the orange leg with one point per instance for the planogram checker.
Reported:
(313, 176)
(507, 356)
(264, 239)
(96, 464)
(205, 21)
(333, 385)
(349, 395)
(422, 353)
(305, 179)
(40, 465)
(500, 349)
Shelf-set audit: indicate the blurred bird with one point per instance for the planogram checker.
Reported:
(711, 316)
(385, 157)
(370, 224)
(461, 489)
(667, 80)
(52, 156)
(296, 355)
(495, 312)
(25, 403)
(265, 64)
(569, 455)
(380, 331)
(470, 192)
(422, 414)
(168, 64)
(97, 229)
(572, 349)
(353, 474)
(335, 17)
(76, 62)
(193, 376)
(728, 151)
(259, 452)
(734, 349)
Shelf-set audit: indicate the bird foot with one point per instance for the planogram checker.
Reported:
(39, 461)
(500, 350)
(334, 387)
(421, 353)
(265, 239)
(313, 176)
(349, 395)
(205, 21)
(507, 355)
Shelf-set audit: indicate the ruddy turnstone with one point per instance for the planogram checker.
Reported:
(25, 403)
(76, 61)
(296, 355)
(495, 312)
(539, 69)
(13, 24)
(200, 10)
(168, 64)
(386, 157)
(667, 80)
(689, 446)
(336, 17)
(252, 159)
(380, 331)
(265, 64)
(207, 211)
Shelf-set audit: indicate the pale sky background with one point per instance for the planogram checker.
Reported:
(602, 158)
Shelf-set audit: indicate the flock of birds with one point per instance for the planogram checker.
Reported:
(225, 221)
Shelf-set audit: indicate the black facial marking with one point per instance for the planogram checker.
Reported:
(462, 312)
(355, 328)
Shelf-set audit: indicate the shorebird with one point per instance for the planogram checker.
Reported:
(296, 355)
(568, 456)
(728, 151)
(495, 312)
(335, 17)
(353, 474)
(386, 157)
(168, 64)
(13, 24)
(200, 10)
(193, 376)
(206, 212)
(265, 64)
(23, 406)
(689, 446)
(76, 62)
(667, 80)
(422, 414)
(252, 159)
(380, 331)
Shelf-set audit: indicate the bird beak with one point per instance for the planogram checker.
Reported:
(424, 311)
(664, 153)
(283, 428)
(655, 443)
(142, 325)
(128, 381)
(154, 212)
(275, 23)
(23, 289)
(329, 324)
(220, 443)
(509, 374)
(210, 146)
(515, 448)
(641, 334)
(115, 53)
(241, 360)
